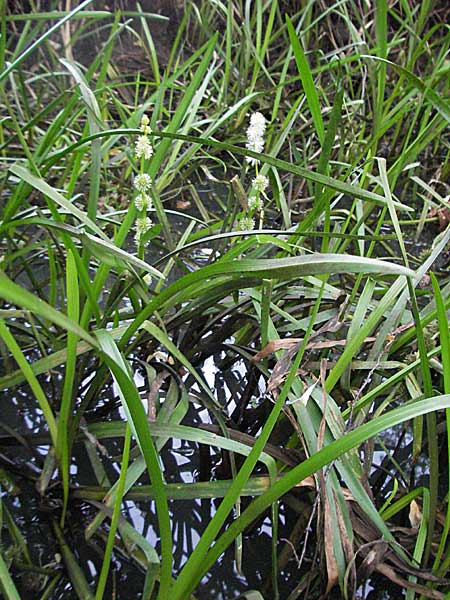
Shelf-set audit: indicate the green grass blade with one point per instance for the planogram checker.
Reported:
(282, 165)
(445, 357)
(13, 293)
(115, 517)
(42, 39)
(440, 104)
(54, 195)
(282, 268)
(77, 578)
(187, 579)
(68, 395)
(319, 460)
(6, 583)
(381, 35)
(28, 375)
(137, 420)
(307, 81)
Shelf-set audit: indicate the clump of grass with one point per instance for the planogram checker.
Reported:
(342, 332)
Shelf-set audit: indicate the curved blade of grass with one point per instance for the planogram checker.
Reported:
(183, 585)
(162, 432)
(76, 575)
(445, 357)
(171, 412)
(87, 14)
(441, 105)
(110, 254)
(282, 268)
(73, 312)
(42, 39)
(13, 293)
(137, 420)
(151, 565)
(255, 486)
(285, 268)
(6, 583)
(47, 363)
(327, 455)
(94, 117)
(433, 452)
(184, 432)
(307, 81)
(115, 516)
(282, 165)
(54, 195)
(421, 538)
(102, 248)
(391, 321)
(320, 202)
(354, 344)
(28, 375)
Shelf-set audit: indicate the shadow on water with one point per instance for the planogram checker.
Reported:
(184, 462)
(34, 514)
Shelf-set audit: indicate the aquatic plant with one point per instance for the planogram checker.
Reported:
(339, 329)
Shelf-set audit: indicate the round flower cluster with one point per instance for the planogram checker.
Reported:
(255, 203)
(143, 224)
(143, 202)
(247, 224)
(260, 183)
(143, 145)
(143, 181)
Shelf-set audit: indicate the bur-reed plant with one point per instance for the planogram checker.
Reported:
(326, 147)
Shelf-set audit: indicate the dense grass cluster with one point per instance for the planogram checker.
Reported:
(264, 186)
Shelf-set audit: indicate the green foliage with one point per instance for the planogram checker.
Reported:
(335, 318)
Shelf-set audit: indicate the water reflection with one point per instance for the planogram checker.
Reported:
(184, 462)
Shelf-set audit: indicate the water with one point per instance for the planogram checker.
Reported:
(34, 515)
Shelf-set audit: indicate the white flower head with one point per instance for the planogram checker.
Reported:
(255, 203)
(143, 202)
(145, 125)
(143, 147)
(148, 279)
(252, 161)
(256, 145)
(142, 182)
(143, 224)
(247, 224)
(255, 135)
(260, 183)
(258, 123)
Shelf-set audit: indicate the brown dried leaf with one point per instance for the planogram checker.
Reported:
(273, 346)
(153, 395)
(328, 539)
(347, 546)
(374, 557)
(405, 584)
(182, 204)
(443, 215)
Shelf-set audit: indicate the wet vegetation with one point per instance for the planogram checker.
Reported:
(225, 296)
